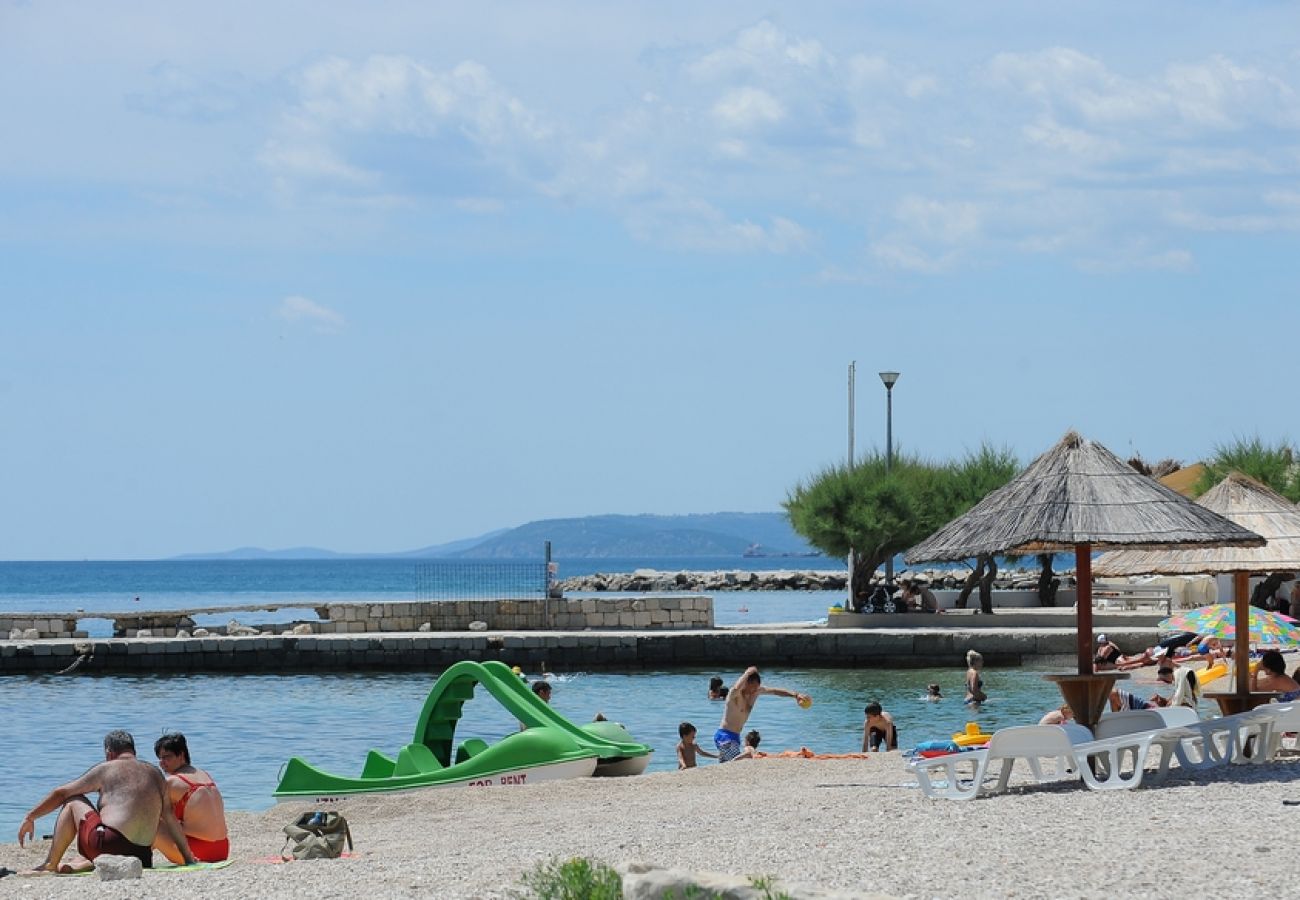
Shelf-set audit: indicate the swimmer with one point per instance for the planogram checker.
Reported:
(932, 694)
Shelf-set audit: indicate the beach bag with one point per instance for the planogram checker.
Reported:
(316, 835)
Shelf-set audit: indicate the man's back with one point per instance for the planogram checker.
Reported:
(131, 798)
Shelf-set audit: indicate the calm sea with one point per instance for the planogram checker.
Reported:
(242, 728)
(107, 587)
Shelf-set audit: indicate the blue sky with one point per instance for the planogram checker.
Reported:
(376, 276)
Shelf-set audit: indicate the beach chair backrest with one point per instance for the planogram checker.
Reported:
(1178, 715)
(1029, 741)
(1129, 721)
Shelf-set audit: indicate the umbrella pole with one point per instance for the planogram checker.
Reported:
(1083, 605)
(1241, 598)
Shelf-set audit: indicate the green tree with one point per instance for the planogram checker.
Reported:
(877, 514)
(867, 510)
(1272, 464)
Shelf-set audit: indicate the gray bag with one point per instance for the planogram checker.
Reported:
(316, 835)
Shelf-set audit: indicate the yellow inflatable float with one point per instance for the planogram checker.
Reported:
(971, 737)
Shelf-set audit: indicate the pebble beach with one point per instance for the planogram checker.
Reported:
(824, 827)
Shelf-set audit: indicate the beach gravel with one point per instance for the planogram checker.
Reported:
(854, 827)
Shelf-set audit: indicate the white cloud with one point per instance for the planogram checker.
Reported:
(301, 311)
(748, 107)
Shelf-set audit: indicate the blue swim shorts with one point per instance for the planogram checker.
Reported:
(728, 744)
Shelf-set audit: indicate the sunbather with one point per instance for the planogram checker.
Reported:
(1107, 656)
(1271, 676)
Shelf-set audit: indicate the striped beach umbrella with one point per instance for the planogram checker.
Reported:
(1220, 620)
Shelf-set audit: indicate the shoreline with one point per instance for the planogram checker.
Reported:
(857, 827)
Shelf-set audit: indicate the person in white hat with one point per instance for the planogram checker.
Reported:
(1108, 655)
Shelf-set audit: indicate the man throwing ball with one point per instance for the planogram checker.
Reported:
(740, 703)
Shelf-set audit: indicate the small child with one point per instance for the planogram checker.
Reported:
(878, 731)
(752, 737)
(687, 748)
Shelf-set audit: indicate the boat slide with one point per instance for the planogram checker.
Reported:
(551, 746)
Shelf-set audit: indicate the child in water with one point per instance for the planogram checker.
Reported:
(932, 694)
(878, 731)
(687, 748)
(752, 737)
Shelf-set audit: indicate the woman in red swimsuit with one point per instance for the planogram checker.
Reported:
(196, 802)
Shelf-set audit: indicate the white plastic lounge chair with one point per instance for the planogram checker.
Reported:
(1286, 720)
(1173, 732)
(1098, 763)
(1032, 743)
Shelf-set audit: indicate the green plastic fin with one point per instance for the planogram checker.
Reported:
(378, 766)
(416, 759)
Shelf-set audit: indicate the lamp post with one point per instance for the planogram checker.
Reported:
(889, 378)
(853, 554)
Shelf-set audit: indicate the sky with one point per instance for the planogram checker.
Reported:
(371, 277)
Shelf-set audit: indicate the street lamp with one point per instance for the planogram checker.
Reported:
(889, 378)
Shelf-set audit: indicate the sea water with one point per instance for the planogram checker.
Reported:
(243, 728)
(138, 586)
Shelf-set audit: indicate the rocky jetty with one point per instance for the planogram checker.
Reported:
(653, 580)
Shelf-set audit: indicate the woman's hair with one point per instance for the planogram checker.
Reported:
(974, 659)
(174, 743)
(1272, 660)
(714, 683)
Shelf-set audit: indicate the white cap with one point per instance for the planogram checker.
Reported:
(1101, 638)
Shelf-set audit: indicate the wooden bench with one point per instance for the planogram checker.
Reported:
(1132, 596)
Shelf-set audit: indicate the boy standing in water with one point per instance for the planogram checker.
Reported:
(687, 748)
(740, 703)
(878, 731)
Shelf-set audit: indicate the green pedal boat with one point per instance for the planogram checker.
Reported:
(550, 748)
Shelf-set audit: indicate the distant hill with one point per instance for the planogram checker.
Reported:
(592, 537)
(595, 537)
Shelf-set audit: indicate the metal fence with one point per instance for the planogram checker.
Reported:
(453, 580)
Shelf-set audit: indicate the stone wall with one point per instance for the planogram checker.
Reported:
(642, 613)
(31, 626)
(553, 651)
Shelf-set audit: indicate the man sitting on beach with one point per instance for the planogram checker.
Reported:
(132, 809)
(740, 703)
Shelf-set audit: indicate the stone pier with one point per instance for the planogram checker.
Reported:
(715, 649)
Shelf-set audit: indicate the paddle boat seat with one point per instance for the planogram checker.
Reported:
(416, 759)
(469, 748)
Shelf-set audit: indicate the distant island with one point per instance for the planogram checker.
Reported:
(740, 535)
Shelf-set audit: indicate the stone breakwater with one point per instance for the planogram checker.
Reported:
(654, 581)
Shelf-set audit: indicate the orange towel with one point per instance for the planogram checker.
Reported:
(805, 753)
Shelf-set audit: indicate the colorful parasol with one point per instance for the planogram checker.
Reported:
(1220, 621)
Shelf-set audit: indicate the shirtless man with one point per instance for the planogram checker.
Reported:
(132, 809)
(740, 703)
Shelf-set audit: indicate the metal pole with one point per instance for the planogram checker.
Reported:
(853, 553)
(546, 588)
(889, 466)
(852, 379)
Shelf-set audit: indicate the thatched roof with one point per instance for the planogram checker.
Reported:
(1184, 480)
(1079, 493)
(1244, 501)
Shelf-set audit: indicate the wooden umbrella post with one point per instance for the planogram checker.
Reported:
(1087, 692)
(1241, 599)
(1083, 605)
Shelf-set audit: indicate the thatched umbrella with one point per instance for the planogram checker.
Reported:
(1251, 505)
(1079, 496)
